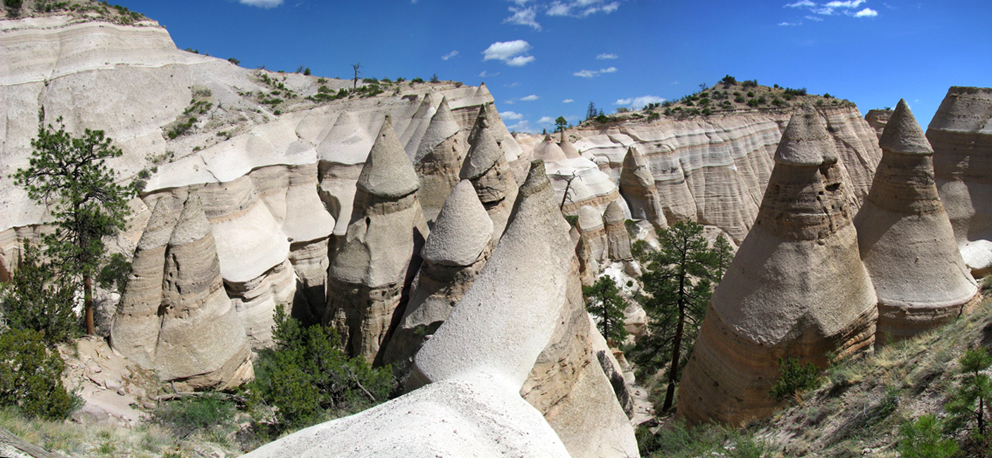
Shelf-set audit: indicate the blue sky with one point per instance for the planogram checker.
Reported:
(537, 55)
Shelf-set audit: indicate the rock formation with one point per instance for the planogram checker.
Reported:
(593, 235)
(961, 136)
(185, 328)
(638, 189)
(715, 170)
(906, 239)
(367, 276)
(438, 160)
(548, 151)
(616, 233)
(567, 147)
(877, 120)
(454, 253)
(797, 287)
(485, 165)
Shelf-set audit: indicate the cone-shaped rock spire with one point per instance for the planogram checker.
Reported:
(638, 188)
(454, 253)
(549, 151)
(485, 165)
(567, 147)
(438, 160)
(388, 172)
(906, 239)
(616, 232)
(796, 288)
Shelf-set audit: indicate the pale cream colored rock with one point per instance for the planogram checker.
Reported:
(485, 165)
(638, 188)
(593, 233)
(616, 233)
(438, 160)
(961, 135)
(567, 147)
(367, 275)
(549, 151)
(797, 287)
(906, 239)
(877, 120)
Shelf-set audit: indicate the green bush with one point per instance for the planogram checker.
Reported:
(185, 416)
(14, 5)
(794, 379)
(39, 300)
(922, 438)
(31, 376)
(114, 273)
(307, 378)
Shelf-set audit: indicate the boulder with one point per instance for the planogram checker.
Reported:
(797, 287)
(367, 276)
(905, 236)
(961, 136)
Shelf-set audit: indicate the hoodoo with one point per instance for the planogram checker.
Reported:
(454, 253)
(906, 239)
(486, 167)
(366, 278)
(616, 233)
(187, 330)
(961, 136)
(797, 287)
(439, 158)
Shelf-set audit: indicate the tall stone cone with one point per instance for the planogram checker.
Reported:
(906, 239)
(567, 147)
(488, 118)
(201, 343)
(368, 275)
(454, 254)
(961, 136)
(485, 165)
(136, 324)
(549, 151)
(592, 233)
(439, 159)
(797, 287)
(616, 233)
(638, 188)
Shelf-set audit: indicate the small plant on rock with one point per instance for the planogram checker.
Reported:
(795, 378)
(922, 438)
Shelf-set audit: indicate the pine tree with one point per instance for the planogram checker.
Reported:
(591, 111)
(603, 300)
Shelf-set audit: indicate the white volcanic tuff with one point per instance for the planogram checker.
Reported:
(462, 231)
(904, 236)
(591, 186)
(438, 160)
(961, 135)
(548, 151)
(715, 170)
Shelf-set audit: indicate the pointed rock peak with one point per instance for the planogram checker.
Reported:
(344, 119)
(482, 156)
(388, 171)
(481, 122)
(548, 139)
(903, 134)
(425, 106)
(192, 224)
(589, 219)
(462, 230)
(806, 140)
(568, 147)
(483, 90)
(633, 159)
(443, 114)
(158, 231)
(537, 179)
(443, 125)
(614, 213)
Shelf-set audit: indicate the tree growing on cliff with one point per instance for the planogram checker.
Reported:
(678, 282)
(603, 301)
(70, 176)
(561, 124)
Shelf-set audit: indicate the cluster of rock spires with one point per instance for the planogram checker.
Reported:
(809, 281)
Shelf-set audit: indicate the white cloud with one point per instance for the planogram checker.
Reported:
(485, 74)
(867, 12)
(449, 55)
(567, 101)
(520, 2)
(413, 1)
(581, 8)
(524, 16)
(814, 18)
(801, 4)
(790, 23)
(594, 73)
(529, 98)
(639, 102)
(509, 102)
(510, 52)
(845, 4)
(511, 115)
(607, 56)
(546, 120)
(522, 126)
(261, 3)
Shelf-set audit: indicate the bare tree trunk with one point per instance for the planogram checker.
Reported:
(88, 303)
(673, 372)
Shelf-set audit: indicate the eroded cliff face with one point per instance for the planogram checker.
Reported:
(714, 170)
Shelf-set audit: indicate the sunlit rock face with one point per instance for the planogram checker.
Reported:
(176, 318)
(906, 239)
(961, 136)
(877, 120)
(487, 168)
(368, 274)
(637, 186)
(796, 288)
(714, 170)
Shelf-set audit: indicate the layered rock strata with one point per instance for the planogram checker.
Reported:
(877, 120)
(797, 287)
(638, 189)
(593, 236)
(961, 136)
(438, 160)
(367, 276)
(906, 239)
(523, 321)
(186, 328)
(454, 254)
(616, 233)
(486, 167)
(715, 170)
